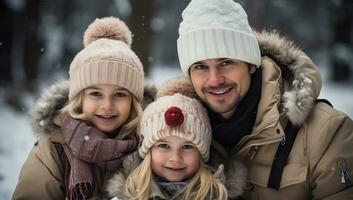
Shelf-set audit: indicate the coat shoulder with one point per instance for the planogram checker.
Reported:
(329, 144)
(327, 130)
(43, 161)
(323, 115)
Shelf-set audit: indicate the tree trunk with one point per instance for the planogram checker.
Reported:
(6, 33)
(139, 24)
(32, 44)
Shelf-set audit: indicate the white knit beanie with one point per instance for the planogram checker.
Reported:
(215, 29)
(107, 59)
(175, 115)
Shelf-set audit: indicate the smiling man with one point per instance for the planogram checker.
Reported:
(261, 94)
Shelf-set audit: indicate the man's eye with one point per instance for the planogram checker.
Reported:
(163, 146)
(95, 94)
(199, 67)
(226, 62)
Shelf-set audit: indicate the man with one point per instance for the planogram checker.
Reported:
(261, 95)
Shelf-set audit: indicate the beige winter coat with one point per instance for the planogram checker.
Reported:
(290, 85)
(45, 172)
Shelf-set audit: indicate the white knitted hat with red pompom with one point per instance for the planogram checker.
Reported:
(107, 59)
(176, 112)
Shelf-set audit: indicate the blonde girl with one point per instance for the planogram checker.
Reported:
(175, 138)
(78, 150)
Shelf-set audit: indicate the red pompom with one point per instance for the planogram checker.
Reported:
(173, 116)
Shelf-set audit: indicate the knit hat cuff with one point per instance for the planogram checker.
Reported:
(106, 72)
(210, 43)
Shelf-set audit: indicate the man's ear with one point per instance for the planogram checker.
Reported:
(252, 69)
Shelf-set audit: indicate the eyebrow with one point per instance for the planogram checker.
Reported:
(218, 60)
(164, 141)
(98, 88)
(223, 59)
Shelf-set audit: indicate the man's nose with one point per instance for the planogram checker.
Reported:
(215, 78)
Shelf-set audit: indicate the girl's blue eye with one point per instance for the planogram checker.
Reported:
(96, 94)
(163, 146)
(120, 94)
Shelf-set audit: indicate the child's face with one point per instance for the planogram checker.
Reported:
(107, 106)
(175, 158)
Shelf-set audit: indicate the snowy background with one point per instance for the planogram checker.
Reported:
(59, 26)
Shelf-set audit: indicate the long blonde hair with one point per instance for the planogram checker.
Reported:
(201, 186)
(74, 108)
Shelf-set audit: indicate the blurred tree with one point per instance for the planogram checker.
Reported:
(23, 50)
(32, 43)
(6, 37)
(257, 12)
(139, 24)
(342, 43)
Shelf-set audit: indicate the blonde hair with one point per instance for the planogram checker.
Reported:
(201, 186)
(74, 108)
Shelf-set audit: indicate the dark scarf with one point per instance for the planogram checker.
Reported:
(91, 146)
(228, 132)
(171, 188)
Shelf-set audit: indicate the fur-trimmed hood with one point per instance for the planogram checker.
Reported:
(55, 98)
(297, 70)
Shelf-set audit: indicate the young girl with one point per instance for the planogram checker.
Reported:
(78, 150)
(175, 138)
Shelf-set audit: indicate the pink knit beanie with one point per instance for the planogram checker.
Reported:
(174, 113)
(107, 59)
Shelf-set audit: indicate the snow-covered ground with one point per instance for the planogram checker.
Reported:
(17, 138)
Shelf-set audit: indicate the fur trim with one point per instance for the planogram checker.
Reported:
(149, 94)
(180, 84)
(299, 99)
(236, 175)
(51, 102)
(116, 186)
(107, 27)
(48, 107)
(131, 162)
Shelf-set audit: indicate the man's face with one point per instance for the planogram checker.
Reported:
(221, 83)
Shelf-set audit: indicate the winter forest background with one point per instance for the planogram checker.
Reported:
(39, 38)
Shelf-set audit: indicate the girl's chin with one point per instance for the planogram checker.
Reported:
(107, 131)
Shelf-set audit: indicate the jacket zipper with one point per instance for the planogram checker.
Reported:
(271, 124)
(345, 178)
